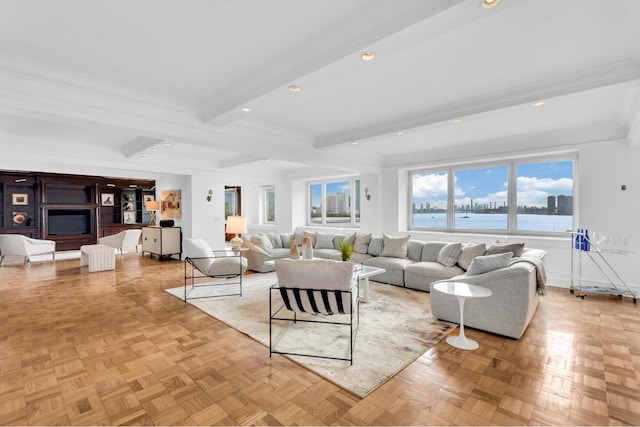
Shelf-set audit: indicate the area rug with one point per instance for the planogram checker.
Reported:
(396, 327)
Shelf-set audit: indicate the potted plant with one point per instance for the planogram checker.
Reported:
(346, 249)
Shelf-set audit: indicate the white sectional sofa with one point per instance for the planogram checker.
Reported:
(417, 265)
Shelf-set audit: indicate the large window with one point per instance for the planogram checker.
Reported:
(515, 196)
(268, 204)
(333, 203)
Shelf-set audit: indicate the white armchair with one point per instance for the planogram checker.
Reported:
(19, 245)
(226, 267)
(124, 239)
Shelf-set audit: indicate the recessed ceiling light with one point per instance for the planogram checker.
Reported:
(368, 56)
(458, 120)
(167, 144)
(399, 132)
(354, 142)
(294, 88)
(246, 109)
(538, 104)
(154, 149)
(488, 4)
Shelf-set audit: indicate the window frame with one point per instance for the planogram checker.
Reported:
(512, 196)
(354, 221)
(264, 205)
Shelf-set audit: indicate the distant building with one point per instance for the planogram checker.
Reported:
(565, 205)
(551, 205)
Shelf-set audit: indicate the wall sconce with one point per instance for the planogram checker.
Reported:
(210, 195)
(366, 193)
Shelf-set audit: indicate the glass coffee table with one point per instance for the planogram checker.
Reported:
(364, 272)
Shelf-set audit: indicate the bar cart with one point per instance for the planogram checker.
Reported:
(615, 284)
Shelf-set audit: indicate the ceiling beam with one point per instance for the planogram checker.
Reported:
(607, 75)
(358, 32)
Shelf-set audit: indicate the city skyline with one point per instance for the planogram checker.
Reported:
(535, 184)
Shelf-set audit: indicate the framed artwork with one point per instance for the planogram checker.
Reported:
(128, 206)
(19, 199)
(107, 199)
(147, 198)
(129, 218)
(170, 204)
(21, 218)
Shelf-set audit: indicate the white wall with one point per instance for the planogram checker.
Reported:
(602, 206)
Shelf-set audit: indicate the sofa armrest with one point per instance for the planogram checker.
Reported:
(506, 312)
(514, 272)
(253, 247)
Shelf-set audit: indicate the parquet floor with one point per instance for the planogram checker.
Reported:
(79, 348)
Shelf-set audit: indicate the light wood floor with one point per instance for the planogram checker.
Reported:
(79, 348)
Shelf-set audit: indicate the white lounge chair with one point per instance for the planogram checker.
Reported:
(19, 245)
(124, 239)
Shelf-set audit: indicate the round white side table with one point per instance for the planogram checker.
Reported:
(462, 291)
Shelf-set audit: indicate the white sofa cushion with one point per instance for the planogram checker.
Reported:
(449, 254)
(263, 242)
(484, 264)
(324, 241)
(395, 247)
(469, 252)
(361, 244)
(501, 248)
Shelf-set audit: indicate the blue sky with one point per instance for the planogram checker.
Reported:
(332, 188)
(535, 183)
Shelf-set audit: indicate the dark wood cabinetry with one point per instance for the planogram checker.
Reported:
(73, 210)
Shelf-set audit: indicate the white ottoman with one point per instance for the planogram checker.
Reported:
(98, 257)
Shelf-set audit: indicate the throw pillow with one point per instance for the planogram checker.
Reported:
(338, 238)
(275, 239)
(485, 264)
(286, 239)
(395, 247)
(500, 248)
(469, 252)
(449, 254)
(262, 242)
(361, 244)
(376, 246)
(324, 241)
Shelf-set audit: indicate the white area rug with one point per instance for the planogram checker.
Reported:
(396, 327)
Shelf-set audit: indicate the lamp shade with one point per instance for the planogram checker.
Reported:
(236, 225)
(152, 205)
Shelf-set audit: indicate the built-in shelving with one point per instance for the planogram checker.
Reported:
(73, 210)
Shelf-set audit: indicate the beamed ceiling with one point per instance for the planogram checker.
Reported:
(160, 85)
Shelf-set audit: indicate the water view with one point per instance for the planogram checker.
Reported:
(526, 222)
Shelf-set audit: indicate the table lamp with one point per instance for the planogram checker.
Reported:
(152, 206)
(236, 225)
